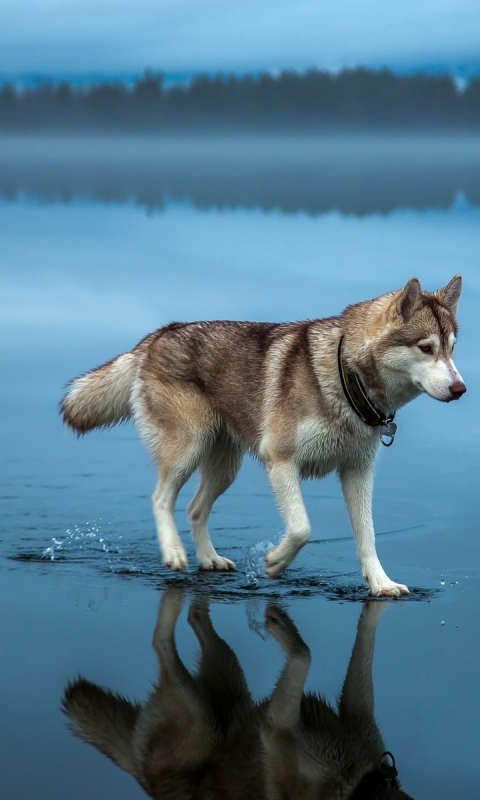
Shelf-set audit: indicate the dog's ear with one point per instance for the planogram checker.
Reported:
(450, 294)
(407, 300)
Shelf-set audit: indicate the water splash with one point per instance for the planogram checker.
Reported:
(49, 552)
(84, 540)
(254, 568)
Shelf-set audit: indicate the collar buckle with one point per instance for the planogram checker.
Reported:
(388, 430)
(389, 770)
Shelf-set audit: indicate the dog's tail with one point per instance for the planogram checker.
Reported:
(102, 718)
(100, 398)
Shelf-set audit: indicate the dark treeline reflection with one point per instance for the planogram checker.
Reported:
(357, 99)
(202, 735)
(354, 175)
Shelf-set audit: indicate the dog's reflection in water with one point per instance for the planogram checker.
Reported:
(203, 737)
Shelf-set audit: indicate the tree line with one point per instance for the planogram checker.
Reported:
(312, 101)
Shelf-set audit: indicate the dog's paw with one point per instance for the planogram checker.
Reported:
(215, 562)
(175, 558)
(389, 589)
(279, 625)
(172, 600)
(198, 613)
(277, 620)
(275, 563)
(169, 610)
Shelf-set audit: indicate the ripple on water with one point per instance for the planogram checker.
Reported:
(99, 545)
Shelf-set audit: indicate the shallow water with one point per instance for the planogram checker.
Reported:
(246, 230)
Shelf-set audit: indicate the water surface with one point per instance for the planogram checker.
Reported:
(241, 230)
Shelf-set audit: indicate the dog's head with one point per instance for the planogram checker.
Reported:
(418, 334)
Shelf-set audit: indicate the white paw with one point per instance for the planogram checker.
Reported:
(215, 562)
(175, 558)
(276, 562)
(388, 588)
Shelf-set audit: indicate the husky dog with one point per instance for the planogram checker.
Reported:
(305, 398)
(202, 735)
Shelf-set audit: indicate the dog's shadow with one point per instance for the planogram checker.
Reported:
(203, 736)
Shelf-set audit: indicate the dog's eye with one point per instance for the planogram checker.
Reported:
(426, 348)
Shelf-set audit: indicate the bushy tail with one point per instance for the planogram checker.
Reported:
(102, 718)
(101, 397)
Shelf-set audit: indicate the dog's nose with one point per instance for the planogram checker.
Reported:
(456, 389)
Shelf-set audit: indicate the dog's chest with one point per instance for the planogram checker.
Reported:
(321, 447)
(314, 441)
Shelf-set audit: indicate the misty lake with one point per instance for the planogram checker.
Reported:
(103, 241)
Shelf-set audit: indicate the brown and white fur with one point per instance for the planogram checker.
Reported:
(202, 735)
(204, 393)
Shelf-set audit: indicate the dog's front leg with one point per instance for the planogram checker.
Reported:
(357, 486)
(356, 704)
(285, 483)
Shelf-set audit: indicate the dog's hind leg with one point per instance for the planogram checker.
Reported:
(357, 486)
(163, 503)
(173, 475)
(173, 733)
(178, 426)
(218, 470)
(163, 640)
(220, 675)
(285, 482)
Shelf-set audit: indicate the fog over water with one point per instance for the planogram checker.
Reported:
(352, 175)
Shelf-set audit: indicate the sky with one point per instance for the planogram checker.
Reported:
(80, 37)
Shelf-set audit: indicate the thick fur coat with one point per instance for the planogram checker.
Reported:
(204, 393)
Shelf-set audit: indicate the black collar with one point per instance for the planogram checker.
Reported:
(383, 777)
(359, 400)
